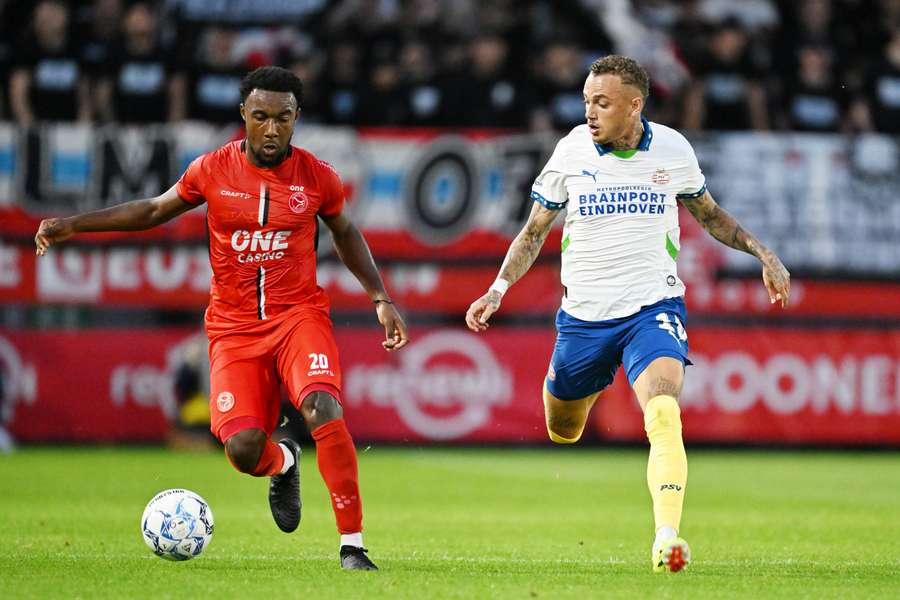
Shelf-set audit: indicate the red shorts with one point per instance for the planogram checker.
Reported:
(248, 362)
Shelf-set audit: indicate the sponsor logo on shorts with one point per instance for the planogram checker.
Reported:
(318, 365)
(551, 373)
(225, 401)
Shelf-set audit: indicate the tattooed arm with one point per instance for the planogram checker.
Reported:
(521, 255)
(727, 230)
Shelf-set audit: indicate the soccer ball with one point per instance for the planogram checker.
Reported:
(177, 524)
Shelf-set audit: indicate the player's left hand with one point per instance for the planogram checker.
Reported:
(776, 277)
(395, 334)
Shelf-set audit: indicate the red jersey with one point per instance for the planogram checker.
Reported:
(262, 229)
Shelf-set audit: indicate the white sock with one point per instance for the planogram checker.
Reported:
(288, 459)
(665, 533)
(352, 539)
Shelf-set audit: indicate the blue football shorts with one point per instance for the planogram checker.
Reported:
(588, 353)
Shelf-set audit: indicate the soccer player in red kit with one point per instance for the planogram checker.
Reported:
(268, 320)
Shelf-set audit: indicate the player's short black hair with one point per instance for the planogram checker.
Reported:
(628, 70)
(273, 79)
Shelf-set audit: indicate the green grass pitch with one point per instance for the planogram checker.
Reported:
(543, 523)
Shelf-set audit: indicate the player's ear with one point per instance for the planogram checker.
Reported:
(241, 110)
(637, 106)
(297, 114)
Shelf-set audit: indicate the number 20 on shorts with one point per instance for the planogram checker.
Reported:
(318, 361)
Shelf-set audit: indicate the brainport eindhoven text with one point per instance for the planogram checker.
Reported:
(622, 200)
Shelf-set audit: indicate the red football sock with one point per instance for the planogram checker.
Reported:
(270, 462)
(336, 456)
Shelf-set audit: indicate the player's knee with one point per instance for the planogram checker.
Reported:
(563, 430)
(565, 419)
(244, 449)
(319, 408)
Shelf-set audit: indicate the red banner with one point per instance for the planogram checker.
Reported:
(778, 385)
(449, 385)
(116, 385)
(97, 386)
(178, 277)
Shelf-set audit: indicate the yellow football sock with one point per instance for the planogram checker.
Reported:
(667, 465)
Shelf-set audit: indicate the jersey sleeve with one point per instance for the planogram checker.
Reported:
(549, 189)
(694, 184)
(332, 190)
(191, 184)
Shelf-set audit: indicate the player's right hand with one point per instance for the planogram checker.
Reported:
(51, 231)
(481, 310)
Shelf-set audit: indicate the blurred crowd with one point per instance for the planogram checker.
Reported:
(802, 65)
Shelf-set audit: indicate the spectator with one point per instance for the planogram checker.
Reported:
(425, 96)
(879, 107)
(48, 83)
(99, 25)
(343, 96)
(728, 92)
(142, 84)
(560, 78)
(383, 100)
(308, 67)
(815, 100)
(215, 79)
(489, 93)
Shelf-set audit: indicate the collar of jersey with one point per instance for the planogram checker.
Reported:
(643, 145)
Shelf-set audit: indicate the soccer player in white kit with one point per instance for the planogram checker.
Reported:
(619, 177)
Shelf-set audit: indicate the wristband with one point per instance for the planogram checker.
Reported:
(499, 285)
(382, 300)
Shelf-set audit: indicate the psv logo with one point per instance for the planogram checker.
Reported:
(298, 201)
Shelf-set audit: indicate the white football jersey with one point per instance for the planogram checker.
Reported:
(621, 236)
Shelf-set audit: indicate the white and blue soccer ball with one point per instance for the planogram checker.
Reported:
(177, 524)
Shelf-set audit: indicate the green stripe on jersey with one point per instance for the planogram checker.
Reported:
(565, 244)
(671, 249)
(625, 153)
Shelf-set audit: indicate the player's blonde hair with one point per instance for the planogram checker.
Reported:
(628, 70)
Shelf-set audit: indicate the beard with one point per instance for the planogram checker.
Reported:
(268, 161)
